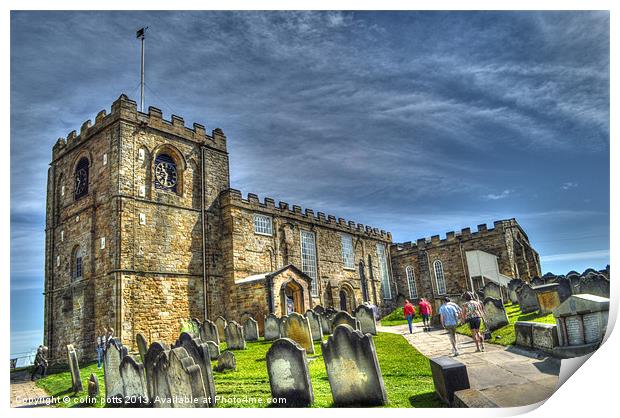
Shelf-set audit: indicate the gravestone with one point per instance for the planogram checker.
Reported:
(353, 369)
(226, 361)
(184, 379)
(196, 325)
(234, 336)
(297, 328)
(523, 334)
(528, 302)
(272, 327)
(366, 317)
(150, 360)
(281, 322)
(214, 350)
(74, 367)
(318, 309)
(548, 297)
(565, 290)
(594, 284)
(157, 384)
(209, 332)
(289, 378)
(199, 352)
(142, 346)
(220, 323)
(449, 376)
(315, 325)
(250, 329)
(343, 317)
(513, 285)
(135, 392)
(93, 386)
(495, 314)
(537, 281)
(574, 278)
(492, 290)
(326, 326)
(112, 356)
(581, 322)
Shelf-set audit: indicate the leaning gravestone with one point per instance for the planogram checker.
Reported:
(326, 325)
(495, 314)
(142, 346)
(150, 359)
(366, 318)
(115, 351)
(272, 327)
(353, 369)
(135, 392)
(594, 284)
(199, 352)
(565, 290)
(234, 336)
(93, 386)
(513, 285)
(209, 332)
(226, 361)
(184, 379)
(157, 384)
(214, 350)
(220, 323)
(297, 328)
(574, 278)
(289, 378)
(492, 290)
(315, 325)
(74, 366)
(343, 317)
(528, 302)
(250, 329)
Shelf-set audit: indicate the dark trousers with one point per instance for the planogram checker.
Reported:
(36, 370)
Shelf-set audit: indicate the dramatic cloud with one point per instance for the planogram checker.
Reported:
(568, 185)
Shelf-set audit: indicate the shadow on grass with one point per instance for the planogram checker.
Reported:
(425, 400)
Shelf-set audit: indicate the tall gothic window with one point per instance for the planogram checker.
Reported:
(439, 277)
(76, 266)
(166, 177)
(81, 178)
(308, 259)
(347, 251)
(383, 271)
(413, 292)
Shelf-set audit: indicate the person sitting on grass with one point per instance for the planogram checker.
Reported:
(450, 313)
(426, 310)
(473, 314)
(409, 311)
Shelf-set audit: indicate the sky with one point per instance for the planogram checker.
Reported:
(418, 123)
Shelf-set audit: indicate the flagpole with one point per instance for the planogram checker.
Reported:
(140, 34)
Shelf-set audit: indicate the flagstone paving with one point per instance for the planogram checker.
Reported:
(508, 376)
(24, 392)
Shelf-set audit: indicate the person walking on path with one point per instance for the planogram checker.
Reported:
(473, 314)
(450, 314)
(40, 362)
(101, 340)
(409, 311)
(426, 310)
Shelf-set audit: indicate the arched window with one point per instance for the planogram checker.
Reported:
(81, 178)
(413, 292)
(76, 265)
(439, 278)
(166, 176)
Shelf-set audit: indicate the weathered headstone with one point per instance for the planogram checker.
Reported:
(449, 376)
(74, 367)
(289, 378)
(234, 336)
(142, 346)
(353, 369)
(492, 290)
(365, 315)
(594, 284)
(318, 309)
(157, 384)
(150, 360)
(272, 327)
(537, 281)
(196, 325)
(574, 278)
(214, 350)
(495, 314)
(226, 361)
(548, 297)
(343, 317)
(250, 329)
(199, 352)
(185, 380)
(210, 332)
(93, 386)
(135, 392)
(528, 302)
(565, 290)
(297, 328)
(523, 334)
(281, 322)
(513, 285)
(221, 323)
(112, 356)
(325, 321)
(315, 325)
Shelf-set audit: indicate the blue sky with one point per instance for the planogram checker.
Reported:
(417, 123)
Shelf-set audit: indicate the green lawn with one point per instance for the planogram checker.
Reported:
(506, 335)
(406, 373)
(397, 317)
(59, 385)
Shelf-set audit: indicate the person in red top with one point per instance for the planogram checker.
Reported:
(409, 311)
(426, 310)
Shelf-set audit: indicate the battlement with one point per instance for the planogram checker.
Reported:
(435, 241)
(126, 109)
(252, 202)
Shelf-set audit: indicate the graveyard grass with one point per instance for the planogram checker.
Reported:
(59, 385)
(406, 373)
(397, 317)
(506, 335)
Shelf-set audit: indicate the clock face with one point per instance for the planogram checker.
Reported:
(81, 182)
(166, 175)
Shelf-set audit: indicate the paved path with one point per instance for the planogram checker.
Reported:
(24, 393)
(508, 376)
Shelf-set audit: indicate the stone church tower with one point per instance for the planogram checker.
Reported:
(132, 228)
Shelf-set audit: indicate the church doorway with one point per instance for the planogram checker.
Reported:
(347, 303)
(291, 298)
